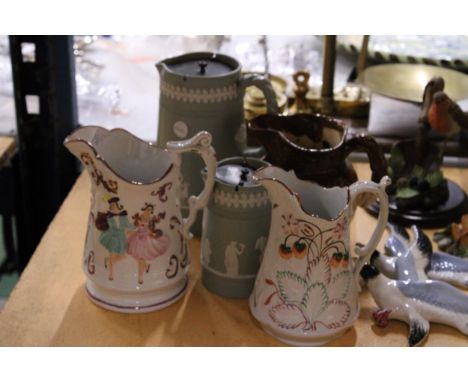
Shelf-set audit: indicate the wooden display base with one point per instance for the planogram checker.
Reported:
(450, 211)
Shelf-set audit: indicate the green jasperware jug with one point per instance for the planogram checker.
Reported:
(205, 91)
(236, 222)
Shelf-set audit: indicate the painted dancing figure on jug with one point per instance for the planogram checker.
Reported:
(147, 242)
(115, 227)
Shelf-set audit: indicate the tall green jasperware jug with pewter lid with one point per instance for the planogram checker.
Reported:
(205, 91)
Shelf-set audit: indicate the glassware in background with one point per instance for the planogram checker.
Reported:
(6, 81)
(95, 98)
(7, 105)
(99, 100)
(247, 50)
(285, 54)
(116, 81)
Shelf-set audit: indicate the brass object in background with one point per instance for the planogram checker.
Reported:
(362, 58)
(406, 82)
(351, 101)
(329, 58)
(301, 104)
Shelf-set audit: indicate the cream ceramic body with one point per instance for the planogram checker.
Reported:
(306, 290)
(135, 255)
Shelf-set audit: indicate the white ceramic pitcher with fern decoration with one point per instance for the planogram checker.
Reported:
(135, 254)
(306, 290)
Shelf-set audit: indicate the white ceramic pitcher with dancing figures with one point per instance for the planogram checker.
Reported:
(136, 257)
(306, 290)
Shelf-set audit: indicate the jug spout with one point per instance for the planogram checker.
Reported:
(276, 181)
(82, 144)
(81, 140)
(305, 197)
(160, 66)
(119, 154)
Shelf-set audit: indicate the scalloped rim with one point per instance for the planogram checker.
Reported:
(120, 130)
(298, 198)
(336, 125)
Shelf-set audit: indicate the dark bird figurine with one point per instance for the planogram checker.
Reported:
(445, 116)
(435, 85)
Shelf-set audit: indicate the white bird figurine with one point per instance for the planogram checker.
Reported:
(400, 286)
(417, 303)
(414, 259)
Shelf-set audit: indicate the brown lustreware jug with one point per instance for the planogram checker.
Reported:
(315, 146)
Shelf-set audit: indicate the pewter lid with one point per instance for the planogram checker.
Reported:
(208, 66)
(236, 174)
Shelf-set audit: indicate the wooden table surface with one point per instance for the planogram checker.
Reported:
(7, 148)
(49, 306)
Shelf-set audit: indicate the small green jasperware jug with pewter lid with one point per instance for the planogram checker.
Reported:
(236, 221)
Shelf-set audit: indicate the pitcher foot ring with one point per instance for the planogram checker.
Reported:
(156, 304)
(302, 341)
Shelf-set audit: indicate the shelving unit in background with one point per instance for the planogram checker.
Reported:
(43, 70)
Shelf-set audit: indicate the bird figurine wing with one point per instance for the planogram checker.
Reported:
(449, 268)
(436, 293)
(415, 260)
(407, 259)
(442, 261)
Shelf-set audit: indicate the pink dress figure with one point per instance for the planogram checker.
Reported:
(146, 243)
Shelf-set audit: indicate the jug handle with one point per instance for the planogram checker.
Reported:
(263, 83)
(365, 252)
(366, 143)
(201, 145)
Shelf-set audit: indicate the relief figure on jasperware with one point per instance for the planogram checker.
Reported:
(206, 253)
(231, 257)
